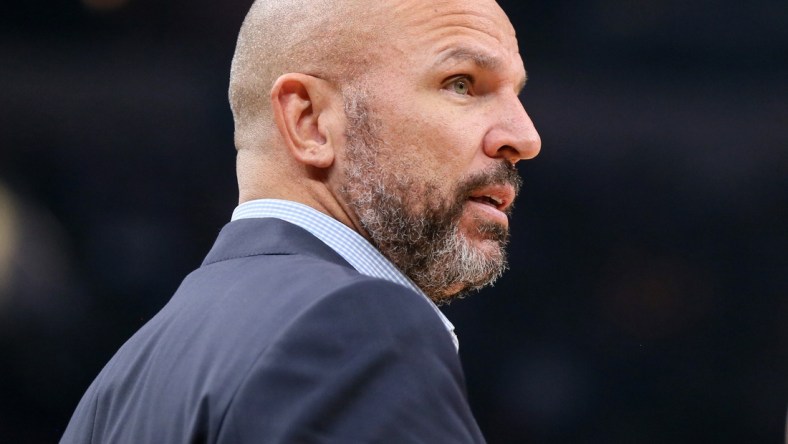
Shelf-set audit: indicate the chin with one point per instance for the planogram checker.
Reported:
(488, 249)
(487, 236)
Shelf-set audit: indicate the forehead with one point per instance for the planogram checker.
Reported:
(440, 24)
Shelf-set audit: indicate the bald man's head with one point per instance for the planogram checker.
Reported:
(398, 118)
(330, 39)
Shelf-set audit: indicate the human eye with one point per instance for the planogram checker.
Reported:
(460, 85)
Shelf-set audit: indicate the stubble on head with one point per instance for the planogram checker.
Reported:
(411, 220)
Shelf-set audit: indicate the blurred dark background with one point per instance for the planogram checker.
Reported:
(648, 296)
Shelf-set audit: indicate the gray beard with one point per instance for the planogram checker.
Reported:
(411, 223)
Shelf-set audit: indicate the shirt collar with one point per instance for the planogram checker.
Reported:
(356, 250)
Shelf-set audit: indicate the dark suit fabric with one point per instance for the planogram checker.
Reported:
(276, 339)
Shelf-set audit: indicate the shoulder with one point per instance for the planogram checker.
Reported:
(369, 361)
(373, 313)
(302, 283)
(277, 300)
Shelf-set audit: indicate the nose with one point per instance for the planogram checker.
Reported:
(512, 136)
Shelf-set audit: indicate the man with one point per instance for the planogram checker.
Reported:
(376, 143)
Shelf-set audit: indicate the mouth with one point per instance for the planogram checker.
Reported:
(499, 197)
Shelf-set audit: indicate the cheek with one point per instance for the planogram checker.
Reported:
(448, 149)
(439, 139)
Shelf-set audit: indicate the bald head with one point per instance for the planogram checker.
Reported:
(328, 39)
(398, 118)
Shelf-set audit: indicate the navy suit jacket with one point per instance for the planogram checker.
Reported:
(276, 339)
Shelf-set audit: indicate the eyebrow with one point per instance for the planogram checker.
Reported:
(481, 60)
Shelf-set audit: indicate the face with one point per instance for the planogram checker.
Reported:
(432, 141)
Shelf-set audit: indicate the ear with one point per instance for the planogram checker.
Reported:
(304, 110)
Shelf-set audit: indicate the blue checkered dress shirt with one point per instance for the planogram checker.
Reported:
(359, 253)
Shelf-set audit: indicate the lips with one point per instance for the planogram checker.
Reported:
(499, 197)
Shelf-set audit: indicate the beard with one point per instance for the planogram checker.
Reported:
(411, 221)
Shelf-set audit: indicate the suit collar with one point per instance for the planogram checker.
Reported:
(266, 236)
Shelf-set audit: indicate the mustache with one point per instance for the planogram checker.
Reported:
(501, 173)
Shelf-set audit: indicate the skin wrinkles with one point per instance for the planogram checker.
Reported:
(481, 60)
(482, 34)
(485, 17)
(486, 57)
(450, 27)
(456, 57)
(490, 47)
(448, 18)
